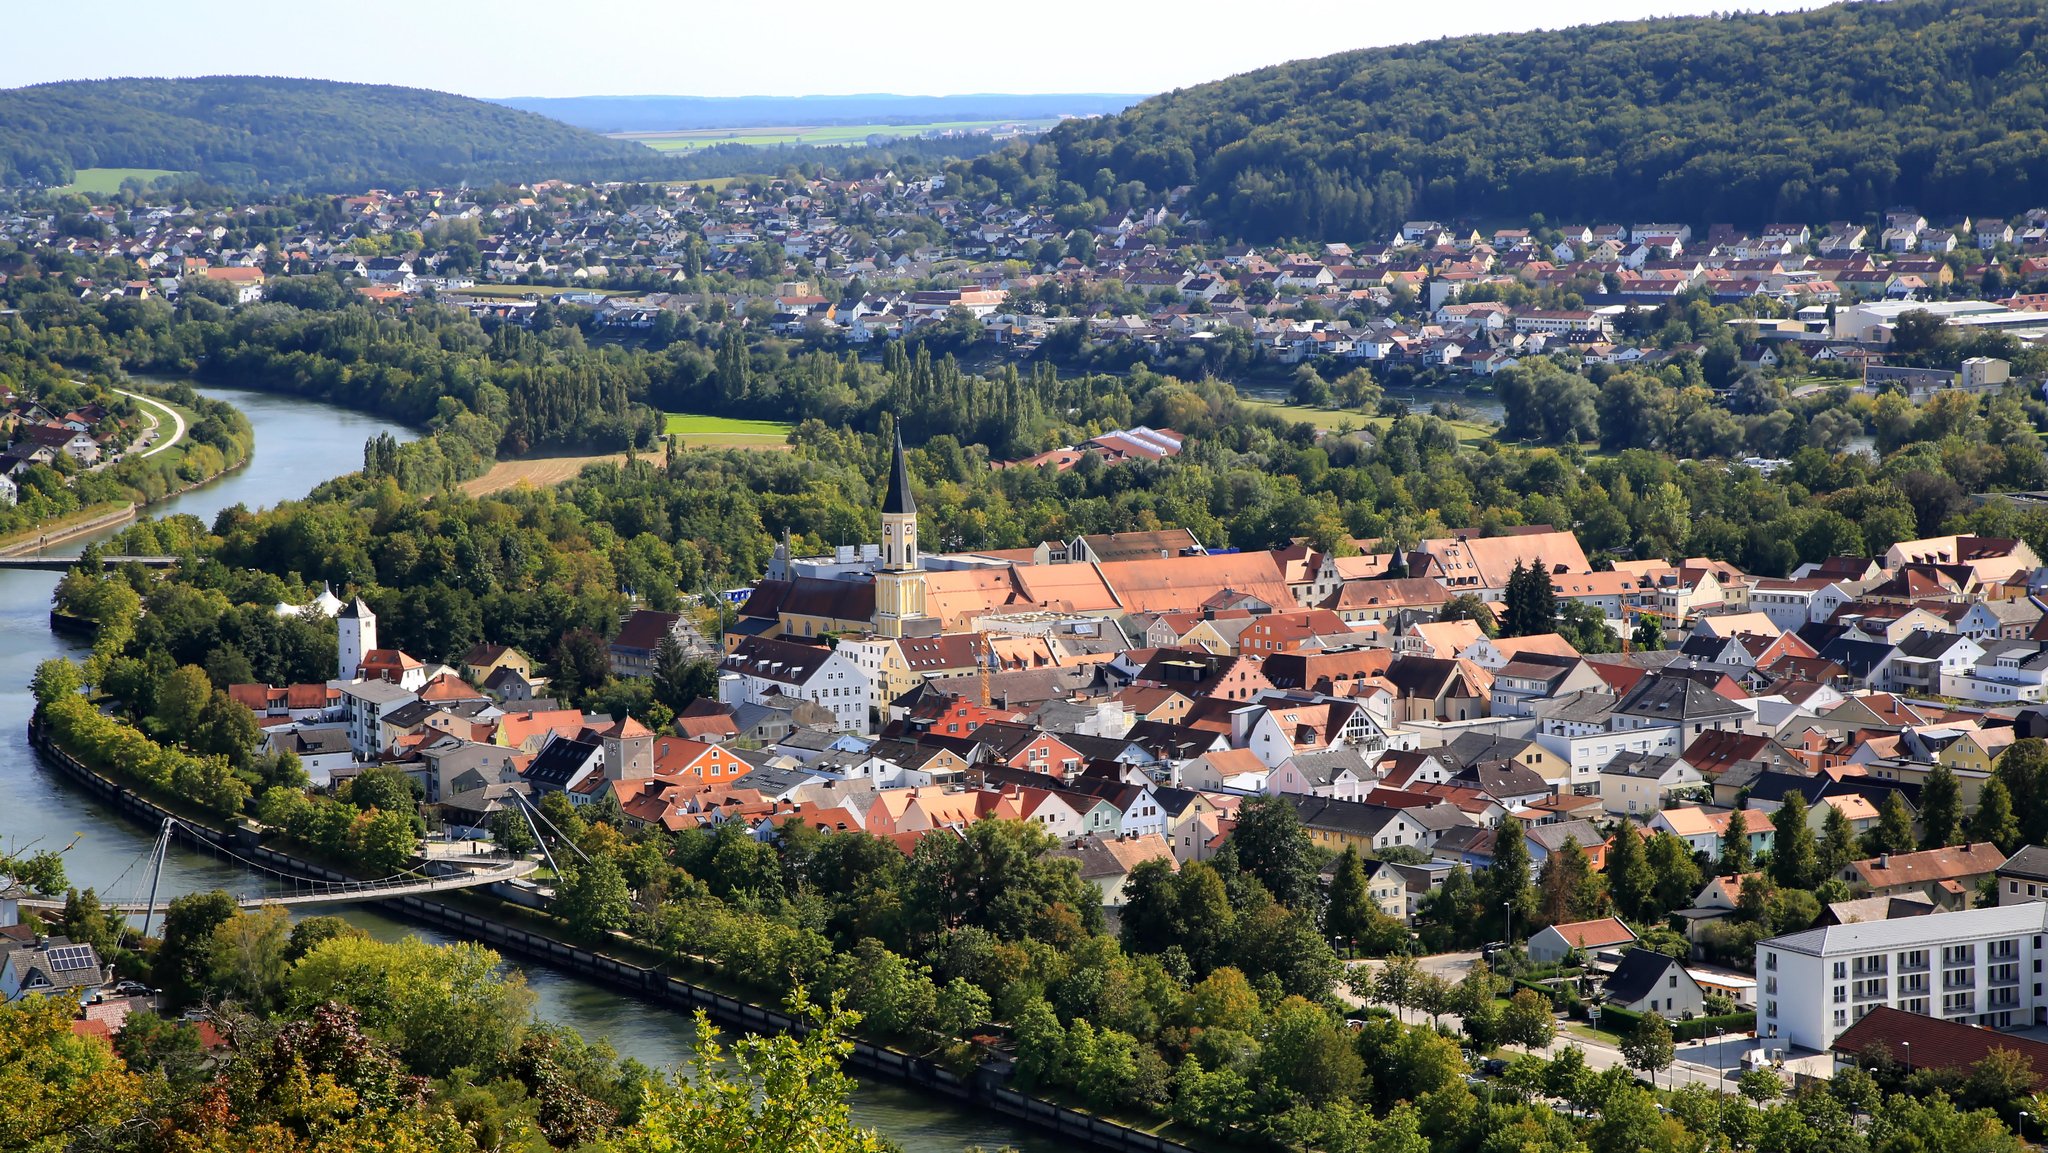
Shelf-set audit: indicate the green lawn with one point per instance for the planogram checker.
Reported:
(1470, 432)
(1327, 419)
(725, 431)
(107, 181)
(687, 140)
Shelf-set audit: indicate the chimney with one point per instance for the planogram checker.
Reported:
(1884, 860)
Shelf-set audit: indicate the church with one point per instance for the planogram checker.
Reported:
(872, 591)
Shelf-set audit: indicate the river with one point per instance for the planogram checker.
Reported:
(299, 444)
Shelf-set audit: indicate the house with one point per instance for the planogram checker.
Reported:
(1885, 1035)
(1343, 774)
(1651, 982)
(1948, 876)
(47, 966)
(1371, 829)
(1106, 862)
(1639, 784)
(633, 651)
(321, 750)
(1556, 942)
(1971, 967)
(761, 667)
(482, 660)
(2023, 877)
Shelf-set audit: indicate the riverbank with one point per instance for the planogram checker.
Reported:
(84, 522)
(492, 922)
(151, 469)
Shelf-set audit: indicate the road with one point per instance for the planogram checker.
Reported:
(177, 421)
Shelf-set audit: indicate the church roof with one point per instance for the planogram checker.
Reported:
(899, 499)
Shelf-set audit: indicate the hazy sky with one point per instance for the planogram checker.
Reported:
(751, 47)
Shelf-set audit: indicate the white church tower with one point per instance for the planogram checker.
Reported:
(357, 628)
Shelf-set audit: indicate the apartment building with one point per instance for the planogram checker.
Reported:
(1974, 967)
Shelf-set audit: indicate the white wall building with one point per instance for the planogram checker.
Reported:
(1975, 967)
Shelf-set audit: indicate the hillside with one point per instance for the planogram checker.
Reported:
(1837, 112)
(249, 130)
(665, 113)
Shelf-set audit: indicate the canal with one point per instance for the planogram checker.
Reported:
(299, 444)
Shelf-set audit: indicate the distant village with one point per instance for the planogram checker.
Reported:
(855, 262)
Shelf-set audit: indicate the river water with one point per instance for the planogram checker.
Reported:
(299, 444)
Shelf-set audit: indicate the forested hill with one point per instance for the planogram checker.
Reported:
(251, 130)
(1838, 112)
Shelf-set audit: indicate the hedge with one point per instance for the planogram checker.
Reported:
(1621, 1022)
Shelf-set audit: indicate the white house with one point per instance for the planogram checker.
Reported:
(760, 668)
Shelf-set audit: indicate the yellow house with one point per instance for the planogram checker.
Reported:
(482, 660)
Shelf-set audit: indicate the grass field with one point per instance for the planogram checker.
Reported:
(107, 181)
(690, 139)
(538, 471)
(1470, 432)
(726, 432)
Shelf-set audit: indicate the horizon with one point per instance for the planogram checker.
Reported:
(818, 53)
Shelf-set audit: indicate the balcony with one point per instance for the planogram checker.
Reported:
(1959, 979)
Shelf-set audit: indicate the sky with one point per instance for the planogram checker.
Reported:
(751, 48)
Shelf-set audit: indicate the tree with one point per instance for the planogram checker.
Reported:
(1469, 607)
(182, 962)
(1735, 850)
(1941, 809)
(1528, 1020)
(1795, 860)
(1893, 832)
(1270, 845)
(776, 1094)
(1994, 820)
(582, 664)
(679, 680)
(1837, 843)
(1351, 907)
(1648, 635)
(592, 897)
(510, 832)
(2024, 770)
(1761, 1086)
(440, 1007)
(1507, 888)
(63, 1091)
(1648, 1048)
(1393, 982)
(1677, 873)
(246, 956)
(1566, 887)
(1629, 876)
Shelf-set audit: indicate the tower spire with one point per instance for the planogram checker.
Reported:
(899, 499)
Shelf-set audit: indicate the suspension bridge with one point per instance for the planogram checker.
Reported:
(296, 890)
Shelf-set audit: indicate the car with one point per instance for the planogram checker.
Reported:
(1493, 1066)
(132, 989)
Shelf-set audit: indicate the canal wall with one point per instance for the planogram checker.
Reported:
(987, 1088)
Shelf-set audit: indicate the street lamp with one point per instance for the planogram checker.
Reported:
(1509, 936)
(1721, 1072)
(2024, 1118)
(1908, 1045)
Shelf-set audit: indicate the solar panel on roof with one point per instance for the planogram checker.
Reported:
(70, 957)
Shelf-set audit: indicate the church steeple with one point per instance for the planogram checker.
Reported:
(899, 586)
(899, 500)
